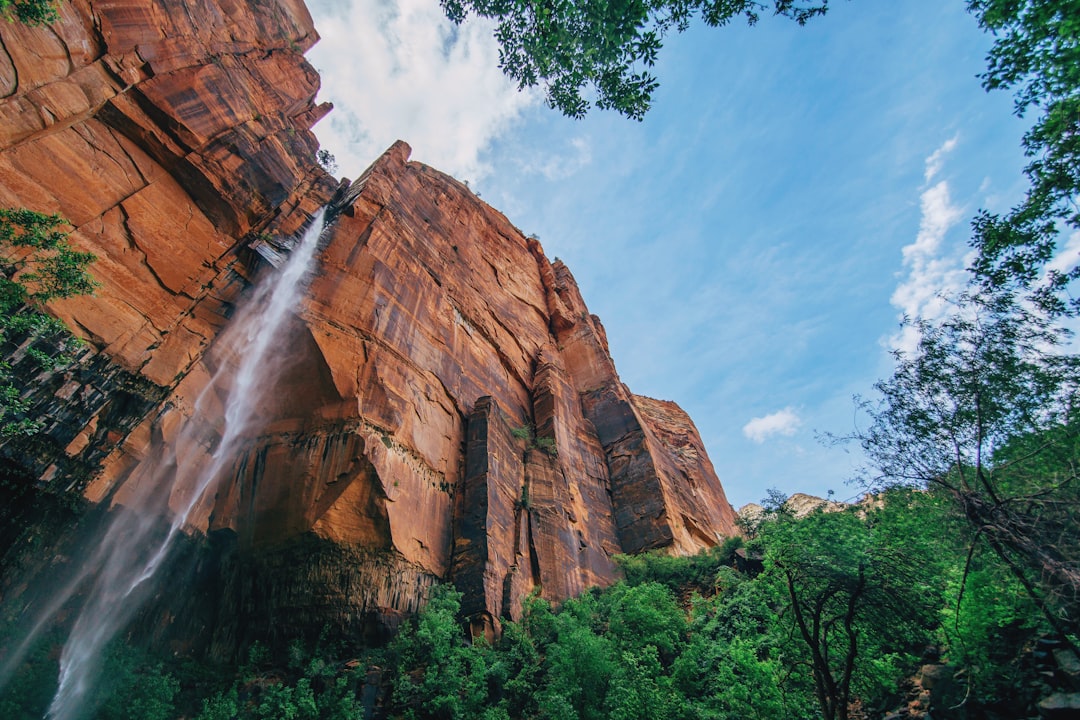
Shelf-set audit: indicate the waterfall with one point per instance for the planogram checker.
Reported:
(136, 542)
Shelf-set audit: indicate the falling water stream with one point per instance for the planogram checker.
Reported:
(135, 543)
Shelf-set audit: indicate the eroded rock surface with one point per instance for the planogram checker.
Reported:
(449, 408)
(462, 415)
(164, 132)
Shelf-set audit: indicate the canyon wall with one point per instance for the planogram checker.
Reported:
(165, 133)
(448, 407)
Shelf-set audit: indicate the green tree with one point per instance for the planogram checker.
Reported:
(315, 689)
(603, 48)
(579, 669)
(37, 264)
(437, 674)
(645, 616)
(988, 622)
(136, 692)
(1036, 53)
(640, 688)
(983, 411)
(29, 12)
(733, 665)
(517, 670)
(856, 601)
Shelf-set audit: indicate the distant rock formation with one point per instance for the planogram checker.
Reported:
(450, 409)
(799, 504)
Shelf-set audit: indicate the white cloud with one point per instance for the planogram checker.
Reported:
(936, 159)
(1067, 257)
(933, 268)
(398, 69)
(559, 166)
(782, 422)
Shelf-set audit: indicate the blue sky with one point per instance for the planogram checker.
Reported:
(751, 245)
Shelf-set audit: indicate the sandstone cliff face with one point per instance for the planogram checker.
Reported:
(449, 408)
(462, 417)
(164, 131)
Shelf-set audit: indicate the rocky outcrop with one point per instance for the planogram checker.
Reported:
(448, 407)
(458, 414)
(164, 132)
(799, 505)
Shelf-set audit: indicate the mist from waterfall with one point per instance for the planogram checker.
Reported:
(115, 577)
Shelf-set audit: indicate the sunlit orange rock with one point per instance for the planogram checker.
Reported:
(472, 423)
(448, 408)
(167, 133)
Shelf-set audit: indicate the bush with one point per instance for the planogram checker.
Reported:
(37, 264)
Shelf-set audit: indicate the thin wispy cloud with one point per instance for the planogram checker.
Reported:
(936, 160)
(782, 422)
(398, 69)
(559, 166)
(1067, 257)
(934, 268)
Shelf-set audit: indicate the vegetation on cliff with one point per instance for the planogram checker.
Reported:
(30, 12)
(37, 264)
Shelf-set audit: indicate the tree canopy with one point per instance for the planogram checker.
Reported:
(1036, 53)
(600, 52)
(857, 596)
(984, 409)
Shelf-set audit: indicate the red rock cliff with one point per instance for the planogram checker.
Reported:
(450, 408)
(165, 132)
(461, 418)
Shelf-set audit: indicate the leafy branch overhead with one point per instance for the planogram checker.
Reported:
(1036, 53)
(603, 49)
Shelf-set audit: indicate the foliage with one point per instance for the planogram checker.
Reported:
(984, 411)
(885, 572)
(854, 595)
(732, 665)
(645, 616)
(547, 445)
(640, 689)
(774, 506)
(28, 690)
(1036, 53)
(977, 379)
(133, 685)
(311, 689)
(326, 160)
(37, 264)
(133, 689)
(987, 620)
(29, 12)
(603, 49)
(439, 676)
(676, 572)
(870, 584)
(527, 433)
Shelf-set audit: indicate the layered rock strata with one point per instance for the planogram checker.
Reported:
(165, 132)
(458, 415)
(448, 409)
